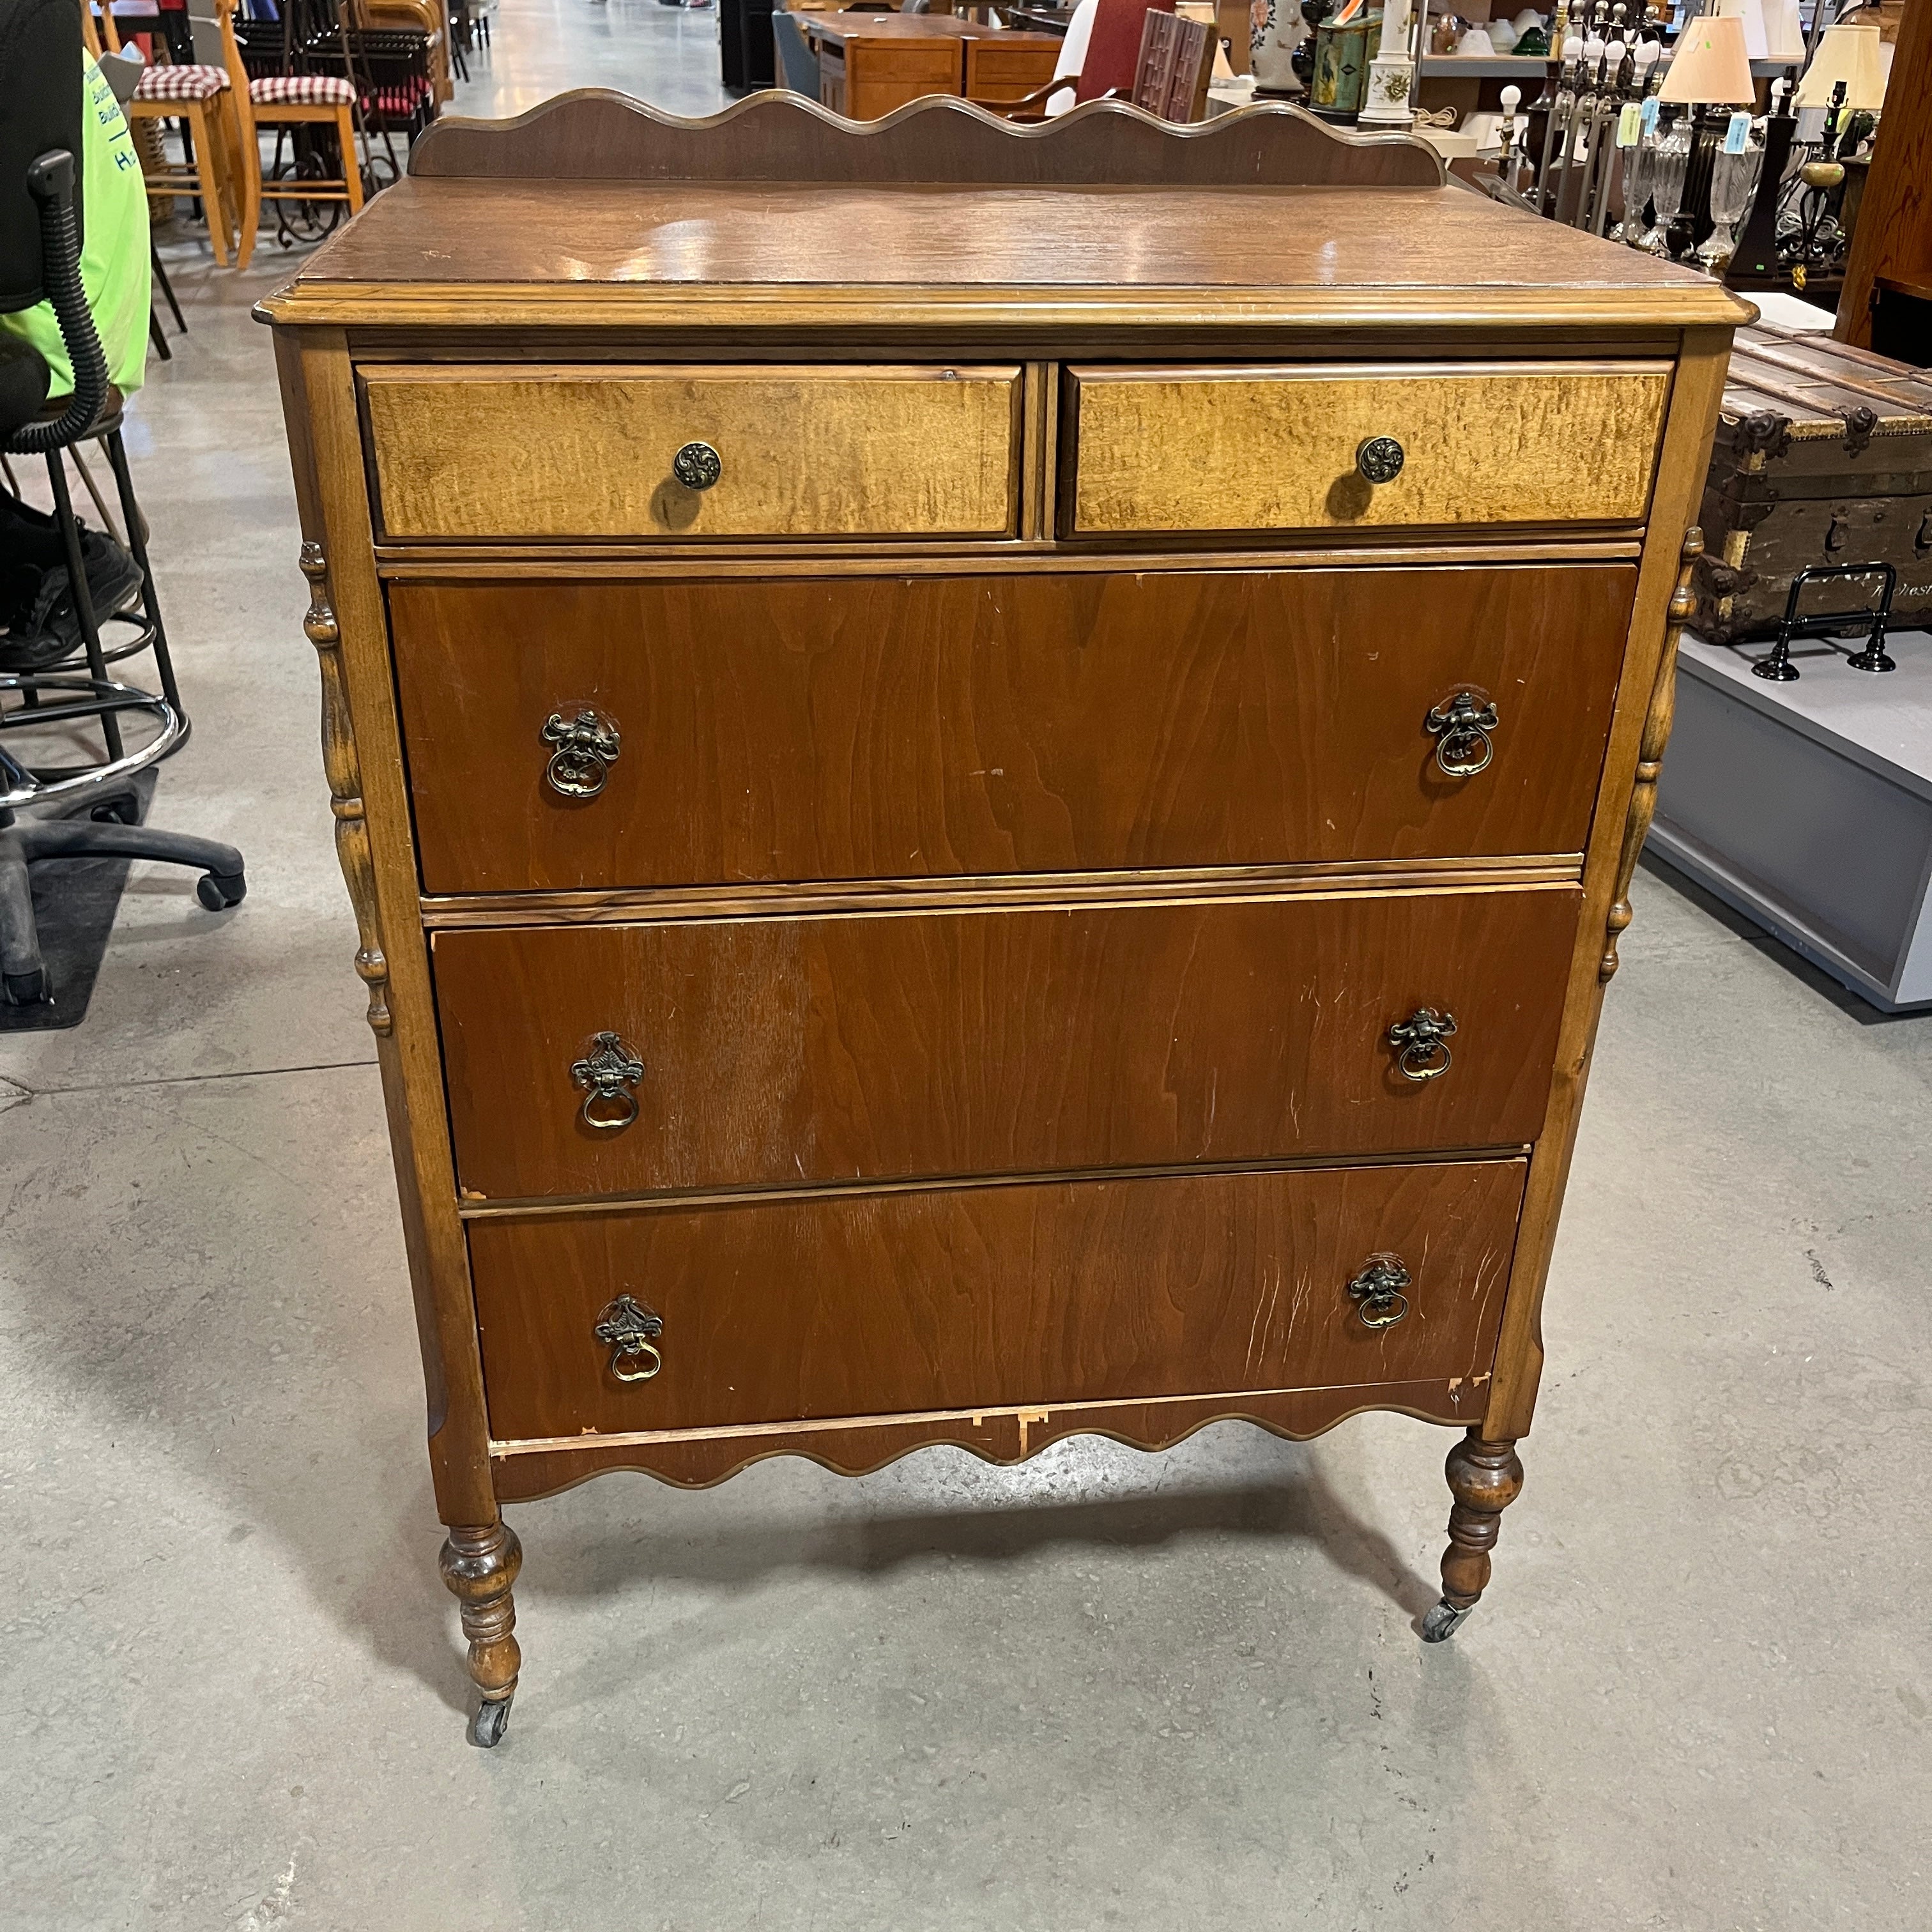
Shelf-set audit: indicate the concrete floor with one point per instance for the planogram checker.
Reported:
(1104, 1689)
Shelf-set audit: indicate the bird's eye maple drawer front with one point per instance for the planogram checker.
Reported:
(526, 452)
(1083, 1290)
(571, 735)
(594, 1060)
(1362, 445)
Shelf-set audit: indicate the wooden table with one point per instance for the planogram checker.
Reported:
(869, 63)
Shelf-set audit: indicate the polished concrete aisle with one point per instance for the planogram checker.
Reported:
(1104, 1689)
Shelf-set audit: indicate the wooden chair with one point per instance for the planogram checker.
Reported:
(287, 101)
(1176, 63)
(196, 97)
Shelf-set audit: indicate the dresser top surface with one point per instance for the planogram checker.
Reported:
(509, 223)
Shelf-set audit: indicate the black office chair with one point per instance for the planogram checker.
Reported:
(39, 260)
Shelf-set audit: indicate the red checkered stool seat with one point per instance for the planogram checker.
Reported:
(307, 90)
(180, 83)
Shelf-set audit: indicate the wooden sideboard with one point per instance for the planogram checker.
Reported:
(979, 813)
(870, 64)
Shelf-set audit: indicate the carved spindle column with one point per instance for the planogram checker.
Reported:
(1485, 1478)
(1650, 758)
(480, 1567)
(339, 761)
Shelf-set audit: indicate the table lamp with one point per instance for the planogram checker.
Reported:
(1849, 52)
(1711, 67)
(1783, 31)
(1757, 46)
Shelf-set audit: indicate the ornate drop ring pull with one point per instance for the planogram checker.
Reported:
(1380, 458)
(608, 1074)
(1377, 1291)
(1419, 1042)
(630, 1330)
(697, 465)
(1461, 726)
(586, 747)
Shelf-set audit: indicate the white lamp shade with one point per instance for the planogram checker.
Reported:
(1849, 53)
(1711, 67)
(1783, 32)
(1751, 12)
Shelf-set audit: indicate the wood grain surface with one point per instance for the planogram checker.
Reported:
(594, 134)
(892, 727)
(780, 1052)
(502, 252)
(1155, 449)
(864, 77)
(1892, 237)
(695, 1459)
(1049, 1292)
(585, 450)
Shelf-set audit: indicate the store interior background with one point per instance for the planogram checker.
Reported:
(1104, 1688)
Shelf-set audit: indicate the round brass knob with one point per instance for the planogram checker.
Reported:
(697, 465)
(1380, 459)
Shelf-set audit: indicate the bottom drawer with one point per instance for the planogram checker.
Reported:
(867, 1304)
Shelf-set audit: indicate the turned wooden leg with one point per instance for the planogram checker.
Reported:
(480, 1565)
(1485, 1478)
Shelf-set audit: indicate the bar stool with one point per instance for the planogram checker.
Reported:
(79, 688)
(287, 101)
(193, 96)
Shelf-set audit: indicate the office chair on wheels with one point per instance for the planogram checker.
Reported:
(40, 259)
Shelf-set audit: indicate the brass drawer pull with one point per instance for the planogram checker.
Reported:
(1380, 458)
(608, 1074)
(1419, 1040)
(587, 744)
(1377, 1291)
(697, 465)
(630, 1330)
(1461, 726)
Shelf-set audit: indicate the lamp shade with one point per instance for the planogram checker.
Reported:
(1849, 53)
(1711, 67)
(1783, 32)
(1751, 13)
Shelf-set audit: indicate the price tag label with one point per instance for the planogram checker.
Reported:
(1737, 133)
(1630, 124)
(1651, 105)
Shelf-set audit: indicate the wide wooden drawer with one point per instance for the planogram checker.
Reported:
(1153, 449)
(780, 1051)
(870, 1304)
(525, 451)
(797, 729)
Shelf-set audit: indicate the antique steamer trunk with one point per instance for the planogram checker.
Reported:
(988, 778)
(1823, 456)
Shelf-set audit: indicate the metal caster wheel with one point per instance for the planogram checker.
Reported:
(1443, 1622)
(491, 1721)
(29, 989)
(219, 890)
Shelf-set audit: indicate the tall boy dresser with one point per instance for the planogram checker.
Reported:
(988, 777)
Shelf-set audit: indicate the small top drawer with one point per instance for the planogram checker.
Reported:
(1371, 445)
(526, 451)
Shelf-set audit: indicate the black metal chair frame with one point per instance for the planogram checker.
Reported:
(80, 689)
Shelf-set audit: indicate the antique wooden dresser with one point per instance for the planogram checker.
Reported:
(988, 777)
